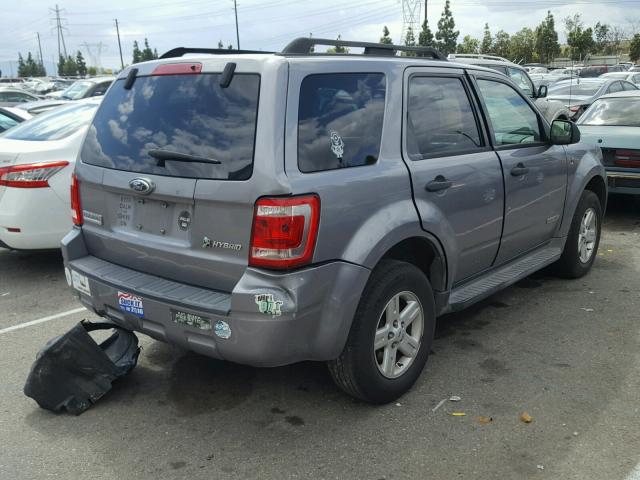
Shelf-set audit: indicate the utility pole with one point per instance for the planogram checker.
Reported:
(426, 18)
(40, 49)
(235, 7)
(119, 44)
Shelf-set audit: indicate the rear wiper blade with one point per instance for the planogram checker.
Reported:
(163, 155)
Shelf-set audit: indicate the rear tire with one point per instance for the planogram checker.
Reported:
(581, 248)
(391, 335)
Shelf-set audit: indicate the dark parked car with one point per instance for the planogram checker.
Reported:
(596, 71)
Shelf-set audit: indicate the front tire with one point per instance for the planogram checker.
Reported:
(391, 335)
(583, 241)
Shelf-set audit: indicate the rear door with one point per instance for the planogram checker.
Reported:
(535, 172)
(167, 181)
(455, 174)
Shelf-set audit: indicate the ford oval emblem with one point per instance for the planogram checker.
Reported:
(142, 186)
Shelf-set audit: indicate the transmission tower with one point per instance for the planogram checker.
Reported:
(58, 20)
(94, 52)
(411, 17)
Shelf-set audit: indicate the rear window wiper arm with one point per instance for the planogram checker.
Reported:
(163, 155)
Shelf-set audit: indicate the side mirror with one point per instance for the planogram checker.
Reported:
(564, 132)
(543, 90)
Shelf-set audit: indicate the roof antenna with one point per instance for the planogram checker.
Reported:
(227, 75)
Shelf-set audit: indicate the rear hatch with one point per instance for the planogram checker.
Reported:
(166, 173)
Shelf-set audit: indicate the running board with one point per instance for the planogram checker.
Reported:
(469, 293)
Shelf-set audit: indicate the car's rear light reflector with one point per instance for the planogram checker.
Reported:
(284, 231)
(178, 69)
(76, 207)
(575, 108)
(13, 230)
(627, 158)
(31, 175)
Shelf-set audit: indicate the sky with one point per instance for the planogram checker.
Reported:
(263, 24)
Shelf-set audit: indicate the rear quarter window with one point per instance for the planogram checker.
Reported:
(340, 120)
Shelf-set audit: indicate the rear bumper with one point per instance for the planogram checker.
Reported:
(311, 323)
(38, 213)
(623, 182)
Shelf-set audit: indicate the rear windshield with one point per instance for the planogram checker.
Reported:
(586, 89)
(184, 114)
(54, 125)
(619, 112)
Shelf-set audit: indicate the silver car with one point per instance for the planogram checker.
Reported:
(267, 209)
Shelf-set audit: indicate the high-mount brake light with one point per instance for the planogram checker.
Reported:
(284, 231)
(76, 207)
(178, 69)
(31, 175)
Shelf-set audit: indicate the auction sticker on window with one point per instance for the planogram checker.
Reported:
(131, 304)
(191, 319)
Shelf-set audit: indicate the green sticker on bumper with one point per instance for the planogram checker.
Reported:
(191, 320)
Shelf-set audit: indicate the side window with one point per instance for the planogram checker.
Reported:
(521, 79)
(6, 122)
(514, 121)
(628, 86)
(340, 120)
(615, 87)
(100, 89)
(636, 79)
(440, 118)
(497, 68)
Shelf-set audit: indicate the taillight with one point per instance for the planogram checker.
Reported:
(627, 158)
(76, 208)
(575, 108)
(31, 175)
(284, 231)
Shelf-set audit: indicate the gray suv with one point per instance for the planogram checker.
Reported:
(267, 209)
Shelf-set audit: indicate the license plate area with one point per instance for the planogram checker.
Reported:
(191, 320)
(157, 217)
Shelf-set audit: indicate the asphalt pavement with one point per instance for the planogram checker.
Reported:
(564, 352)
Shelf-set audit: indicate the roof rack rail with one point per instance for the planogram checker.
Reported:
(181, 51)
(305, 45)
(479, 56)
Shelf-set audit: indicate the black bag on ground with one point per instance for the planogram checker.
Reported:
(72, 371)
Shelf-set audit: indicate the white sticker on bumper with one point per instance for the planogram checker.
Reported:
(80, 282)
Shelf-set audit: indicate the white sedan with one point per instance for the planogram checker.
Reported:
(37, 158)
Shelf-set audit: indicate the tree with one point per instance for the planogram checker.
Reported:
(578, 38)
(147, 53)
(522, 46)
(70, 68)
(81, 64)
(602, 33)
(220, 44)
(502, 44)
(469, 45)
(60, 65)
(92, 71)
(137, 54)
(155, 53)
(634, 48)
(22, 68)
(547, 46)
(338, 48)
(446, 36)
(425, 39)
(385, 38)
(487, 41)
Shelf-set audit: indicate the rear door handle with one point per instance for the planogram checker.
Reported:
(519, 170)
(438, 184)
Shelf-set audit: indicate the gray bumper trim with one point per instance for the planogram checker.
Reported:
(154, 287)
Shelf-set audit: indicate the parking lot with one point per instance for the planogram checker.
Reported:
(565, 352)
